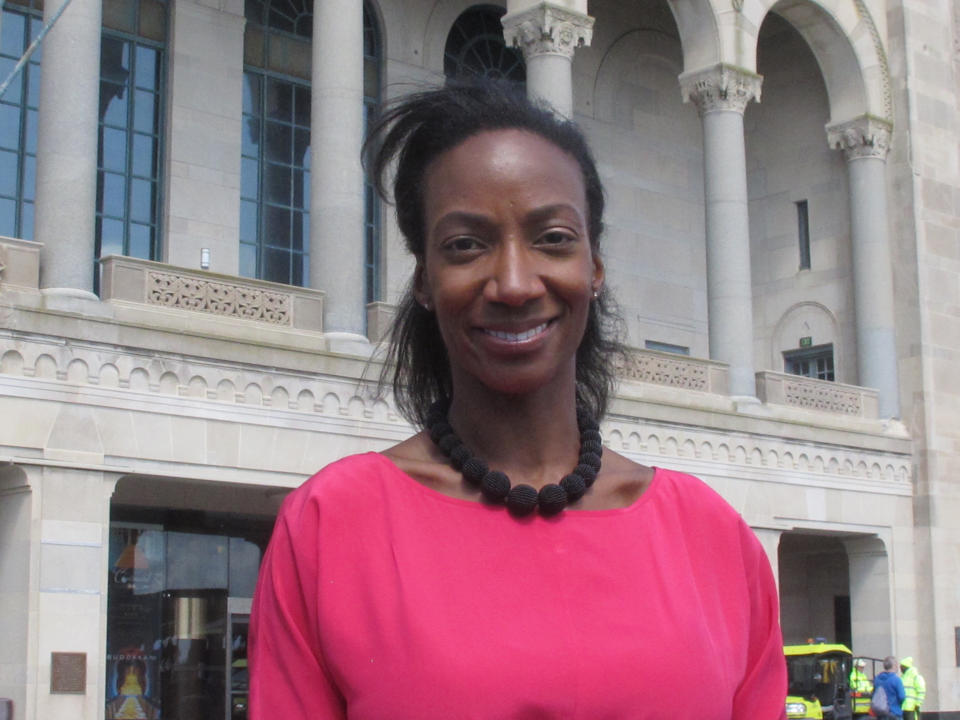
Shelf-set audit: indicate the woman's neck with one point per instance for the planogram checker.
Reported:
(533, 438)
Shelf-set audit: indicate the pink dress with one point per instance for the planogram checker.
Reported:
(382, 599)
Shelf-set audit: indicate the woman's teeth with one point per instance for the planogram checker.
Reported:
(517, 337)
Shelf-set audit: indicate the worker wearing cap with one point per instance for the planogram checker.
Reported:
(859, 682)
(915, 687)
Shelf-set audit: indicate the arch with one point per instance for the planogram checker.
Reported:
(109, 376)
(45, 367)
(253, 394)
(700, 34)
(226, 391)
(440, 19)
(280, 398)
(846, 43)
(806, 319)
(139, 380)
(169, 383)
(11, 363)
(197, 387)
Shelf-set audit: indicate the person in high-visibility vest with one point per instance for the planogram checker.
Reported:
(859, 682)
(915, 687)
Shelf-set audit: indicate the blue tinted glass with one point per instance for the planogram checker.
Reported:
(36, 25)
(141, 200)
(140, 241)
(31, 145)
(306, 191)
(279, 100)
(248, 260)
(144, 111)
(301, 148)
(249, 181)
(251, 136)
(111, 237)
(299, 200)
(276, 183)
(146, 67)
(114, 149)
(114, 97)
(276, 226)
(114, 194)
(301, 115)
(8, 211)
(251, 94)
(14, 93)
(296, 269)
(8, 173)
(300, 230)
(248, 221)
(26, 221)
(9, 127)
(33, 85)
(144, 155)
(11, 38)
(29, 177)
(276, 265)
(277, 143)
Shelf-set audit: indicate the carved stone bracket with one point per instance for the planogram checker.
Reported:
(862, 137)
(722, 87)
(547, 30)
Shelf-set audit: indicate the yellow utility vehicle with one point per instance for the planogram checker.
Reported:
(819, 681)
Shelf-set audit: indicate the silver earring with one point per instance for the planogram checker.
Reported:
(426, 305)
(596, 294)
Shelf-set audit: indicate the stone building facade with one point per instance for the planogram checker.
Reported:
(195, 277)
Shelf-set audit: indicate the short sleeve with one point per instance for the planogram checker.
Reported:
(763, 691)
(288, 678)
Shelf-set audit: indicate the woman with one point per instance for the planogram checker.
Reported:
(493, 566)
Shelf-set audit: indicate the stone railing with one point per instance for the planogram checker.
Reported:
(812, 394)
(19, 263)
(151, 283)
(679, 371)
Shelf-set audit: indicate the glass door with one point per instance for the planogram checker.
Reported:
(238, 678)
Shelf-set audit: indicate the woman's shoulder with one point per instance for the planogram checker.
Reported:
(350, 477)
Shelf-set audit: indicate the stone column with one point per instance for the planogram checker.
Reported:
(770, 539)
(548, 35)
(721, 94)
(865, 142)
(871, 619)
(336, 195)
(67, 147)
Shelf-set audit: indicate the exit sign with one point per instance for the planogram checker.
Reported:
(806, 342)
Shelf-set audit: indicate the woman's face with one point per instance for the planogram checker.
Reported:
(508, 266)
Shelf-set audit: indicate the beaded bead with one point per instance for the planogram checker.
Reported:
(591, 459)
(495, 486)
(448, 442)
(474, 469)
(552, 498)
(459, 455)
(586, 472)
(440, 430)
(522, 499)
(575, 486)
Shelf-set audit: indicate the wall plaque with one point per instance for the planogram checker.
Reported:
(68, 672)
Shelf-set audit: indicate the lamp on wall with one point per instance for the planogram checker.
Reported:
(204, 258)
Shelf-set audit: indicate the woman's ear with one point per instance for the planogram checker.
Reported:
(421, 290)
(598, 274)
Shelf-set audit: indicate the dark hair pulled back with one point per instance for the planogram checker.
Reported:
(414, 131)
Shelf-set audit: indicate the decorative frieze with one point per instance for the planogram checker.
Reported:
(547, 30)
(722, 87)
(219, 298)
(813, 394)
(862, 137)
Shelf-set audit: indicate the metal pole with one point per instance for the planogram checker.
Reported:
(33, 46)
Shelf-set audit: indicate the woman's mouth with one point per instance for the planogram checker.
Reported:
(517, 337)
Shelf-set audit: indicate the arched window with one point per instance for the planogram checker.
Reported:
(132, 62)
(275, 163)
(22, 20)
(475, 46)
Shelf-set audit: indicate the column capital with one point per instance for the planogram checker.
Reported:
(862, 137)
(721, 87)
(547, 29)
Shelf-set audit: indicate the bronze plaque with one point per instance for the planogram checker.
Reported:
(68, 672)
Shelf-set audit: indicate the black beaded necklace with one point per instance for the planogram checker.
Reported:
(495, 485)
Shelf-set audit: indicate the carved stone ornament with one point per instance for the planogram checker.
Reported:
(659, 370)
(822, 396)
(864, 137)
(722, 87)
(547, 30)
(236, 300)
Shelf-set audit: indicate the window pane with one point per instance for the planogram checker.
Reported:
(8, 173)
(146, 73)
(11, 40)
(144, 111)
(113, 101)
(31, 139)
(248, 260)
(300, 230)
(278, 142)
(301, 115)
(144, 155)
(249, 182)
(248, 221)
(276, 265)
(296, 269)
(33, 82)
(276, 183)
(114, 149)
(26, 221)
(140, 241)
(8, 215)
(9, 126)
(13, 94)
(141, 200)
(114, 193)
(111, 237)
(29, 177)
(251, 93)
(279, 100)
(276, 226)
(251, 137)
(301, 148)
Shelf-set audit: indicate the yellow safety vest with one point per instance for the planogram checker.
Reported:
(859, 682)
(915, 687)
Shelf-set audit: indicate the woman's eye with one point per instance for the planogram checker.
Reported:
(462, 244)
(555, 237)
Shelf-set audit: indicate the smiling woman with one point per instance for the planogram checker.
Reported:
(492, 565)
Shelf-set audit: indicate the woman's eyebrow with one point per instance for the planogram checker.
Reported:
(547, 212)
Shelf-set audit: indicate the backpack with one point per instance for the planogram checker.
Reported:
(879, 703)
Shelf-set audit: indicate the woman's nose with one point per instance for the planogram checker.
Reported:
(514, 279)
